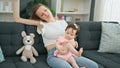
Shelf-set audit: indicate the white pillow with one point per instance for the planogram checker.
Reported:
(110, 38)
(1, 56)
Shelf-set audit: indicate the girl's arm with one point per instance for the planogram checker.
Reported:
(74, 43)
(17, 17)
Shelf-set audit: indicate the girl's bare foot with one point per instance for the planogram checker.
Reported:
(80, 52)
(83, 67)
(75, 66)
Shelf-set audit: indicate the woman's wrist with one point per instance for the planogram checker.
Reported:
(16, 10)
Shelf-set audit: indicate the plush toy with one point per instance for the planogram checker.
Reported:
(28, 50)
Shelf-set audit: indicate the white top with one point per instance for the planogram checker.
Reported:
(51, 31)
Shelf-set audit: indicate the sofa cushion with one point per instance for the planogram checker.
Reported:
(89, 35)
(9, 63)
(108, 60)
(40, 62)
(10, 37)
(16, 62)
(110, 38)
(1, 55)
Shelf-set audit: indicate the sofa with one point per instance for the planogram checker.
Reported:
(88, 38)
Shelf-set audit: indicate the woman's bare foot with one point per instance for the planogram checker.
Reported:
(80, 52)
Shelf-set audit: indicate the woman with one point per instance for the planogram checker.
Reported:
(50, 28)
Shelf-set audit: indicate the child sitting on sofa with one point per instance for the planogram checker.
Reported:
(65, 45)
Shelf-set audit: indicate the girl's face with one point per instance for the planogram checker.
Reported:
(44, 13)
(70, 34)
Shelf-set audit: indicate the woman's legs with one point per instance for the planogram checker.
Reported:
(55, 62)
(82, 61)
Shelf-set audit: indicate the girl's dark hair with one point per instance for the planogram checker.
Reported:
(34, 16)
(74, 27)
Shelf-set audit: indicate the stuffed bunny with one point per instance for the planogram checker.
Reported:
(28, 50)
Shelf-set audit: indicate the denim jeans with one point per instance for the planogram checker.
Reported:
(56, 62)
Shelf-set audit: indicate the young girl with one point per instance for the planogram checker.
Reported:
(50, 29)
(65, 45)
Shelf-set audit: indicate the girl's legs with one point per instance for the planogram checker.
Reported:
(55, 62)
(72, 61)
(82, 61)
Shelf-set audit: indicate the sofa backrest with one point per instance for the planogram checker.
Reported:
(39, 45)
(10, 37)
(89, 35)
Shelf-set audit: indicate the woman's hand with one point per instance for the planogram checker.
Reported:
(64, 43)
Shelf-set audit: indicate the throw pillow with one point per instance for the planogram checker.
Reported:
(1, 56)
(110, 38)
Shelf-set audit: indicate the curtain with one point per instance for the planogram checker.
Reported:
(107, 10)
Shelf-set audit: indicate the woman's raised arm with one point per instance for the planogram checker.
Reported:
(17, 17)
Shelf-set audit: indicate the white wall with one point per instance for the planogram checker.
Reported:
(107, 10)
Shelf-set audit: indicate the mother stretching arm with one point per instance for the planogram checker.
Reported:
(50, 29)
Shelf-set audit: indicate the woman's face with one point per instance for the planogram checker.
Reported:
(44, 13)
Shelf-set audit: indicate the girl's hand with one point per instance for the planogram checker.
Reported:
(76, 44)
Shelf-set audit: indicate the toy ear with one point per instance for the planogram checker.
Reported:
(23, 34)
(31, 34)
